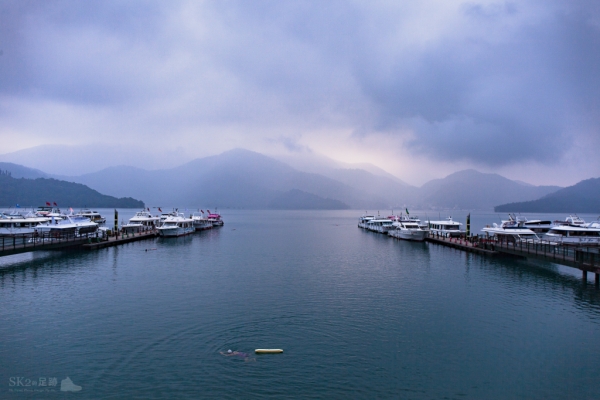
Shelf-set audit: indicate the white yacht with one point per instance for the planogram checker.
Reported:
(571, 220)
(407, 230)
(512, 229)
(166, 215)
(362, 221)
(93, 216)
(380, 225)
(50, 212)
(574, 231)
(176, 225)
(407, 218)
(201, 222)
(69, 225)
(16, 224)
(593, 224)
(538, 226)
(142, 220)
(447, 228)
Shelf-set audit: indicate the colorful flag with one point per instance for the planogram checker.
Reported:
(159, 209)
(407, 211)
(48, 203)
(55, 205)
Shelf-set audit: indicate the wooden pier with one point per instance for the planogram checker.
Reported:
(17, 244)
(586, 259)
(121, 239)
(461, 244)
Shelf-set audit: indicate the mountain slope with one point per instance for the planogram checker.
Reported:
(583, 197)
(470, 189)
(19, 171)
(237, 178)
(36, 192)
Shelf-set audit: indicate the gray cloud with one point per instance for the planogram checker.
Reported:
(489, 83)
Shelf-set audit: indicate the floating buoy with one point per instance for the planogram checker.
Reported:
(268, 351)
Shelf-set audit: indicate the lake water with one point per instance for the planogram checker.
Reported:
(359, 315)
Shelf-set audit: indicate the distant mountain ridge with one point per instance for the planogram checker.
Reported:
(471, 189)
(583, 197)
(244, 179)
(237, 178)
(19, 171)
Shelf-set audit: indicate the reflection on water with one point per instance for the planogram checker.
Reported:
(357, 314)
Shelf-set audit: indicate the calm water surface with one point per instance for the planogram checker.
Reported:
(359, 315)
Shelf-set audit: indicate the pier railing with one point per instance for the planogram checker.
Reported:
(47, 240)
(584, 257)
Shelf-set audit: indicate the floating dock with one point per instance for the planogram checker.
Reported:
(121, 239)
(17, 244)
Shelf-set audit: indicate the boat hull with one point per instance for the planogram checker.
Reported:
(415, 236)
(174, 232)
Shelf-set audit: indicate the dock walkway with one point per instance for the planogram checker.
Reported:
(17, 244)
(121, 239)
(586, 259)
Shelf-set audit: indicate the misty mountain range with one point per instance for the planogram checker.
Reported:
(579, 198)
(244, 179)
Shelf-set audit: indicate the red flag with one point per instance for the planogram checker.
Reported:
(48, 203)
(159, 209)
(56, 205)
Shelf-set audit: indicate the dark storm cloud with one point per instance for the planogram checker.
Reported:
(494, 83)
(75, 51)
(494, 103)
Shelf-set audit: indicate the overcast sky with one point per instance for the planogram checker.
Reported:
(421, 89)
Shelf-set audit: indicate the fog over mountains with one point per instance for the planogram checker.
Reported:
(244, 179)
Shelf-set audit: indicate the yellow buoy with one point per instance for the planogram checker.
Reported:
(268, 351)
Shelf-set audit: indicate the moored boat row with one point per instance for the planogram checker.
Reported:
(49, 220)
(572, 231)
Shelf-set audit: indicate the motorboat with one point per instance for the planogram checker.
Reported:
(571, 220)
(380, 225)
(166, 215)
(362, 221)
(142, 220)
(593, 224)
(17, 224)
(50, 212)
(215, 219)
(93, 216)
(70, 225)
(538, 226)
(580, 234)
(446, 228)
(200, 221)
(408, 230)
(408, 218)
(176, 225)
(511, 230)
